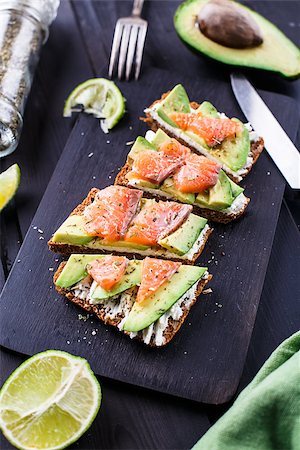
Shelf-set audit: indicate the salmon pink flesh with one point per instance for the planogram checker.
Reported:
(108, 271)
(212, 129)
(111, 212)
(156, 166)
(198, 173)
(157, 220)
(155, 272)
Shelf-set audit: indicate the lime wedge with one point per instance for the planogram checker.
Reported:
(9, 183)
(49, 401)
(99, 97)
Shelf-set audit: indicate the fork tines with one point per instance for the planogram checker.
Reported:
(128, 42)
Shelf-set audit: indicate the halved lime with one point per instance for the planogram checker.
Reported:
(49, 401)
(9, 183)
(99, 97)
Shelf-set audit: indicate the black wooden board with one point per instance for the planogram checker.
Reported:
(205, 360)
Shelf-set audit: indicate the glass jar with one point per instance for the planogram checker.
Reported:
(23, 30)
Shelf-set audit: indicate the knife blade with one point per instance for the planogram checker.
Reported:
(277, 143)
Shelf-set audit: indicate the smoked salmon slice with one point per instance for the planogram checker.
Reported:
(174, 148)
(155, 272)
(198, 173)
(212, 129)
(108, 271)
(156, 166)
(111, 212)
(157, 220)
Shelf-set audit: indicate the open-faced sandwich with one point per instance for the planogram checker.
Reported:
(164, 168)
(148, 300)
(118, 219)
(204, 130)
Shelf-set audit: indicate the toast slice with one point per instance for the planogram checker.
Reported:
(155, 122)
(236, 210)
(67, 248)
(149, 336)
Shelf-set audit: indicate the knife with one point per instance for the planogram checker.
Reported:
(277, 143)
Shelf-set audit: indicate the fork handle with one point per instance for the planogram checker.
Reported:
(137, 8)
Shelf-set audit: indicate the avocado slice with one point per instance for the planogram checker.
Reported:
(236, 189)
(176, 101)
(219, 196)
(197, 139)
(131, 277)
(169, 187)
(233, 152)
(75, 270)
(144, 314)
(203, 199)
(160, 138)
(208, 110)
(117, 244)
(140, 145)
(276, 53)
(72, 232)
(183, 239)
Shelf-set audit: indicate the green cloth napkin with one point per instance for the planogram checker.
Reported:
(266, 414)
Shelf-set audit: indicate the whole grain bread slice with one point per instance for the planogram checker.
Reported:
(213, 215)
(256, 147)
(68, 249)
(171, 329)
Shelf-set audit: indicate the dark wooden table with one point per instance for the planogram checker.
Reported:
(79, 47)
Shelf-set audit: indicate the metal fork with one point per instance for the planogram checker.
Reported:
(129, 39)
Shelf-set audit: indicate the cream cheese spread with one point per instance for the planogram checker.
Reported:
(254, 137)
(121, 305)
(237, 205)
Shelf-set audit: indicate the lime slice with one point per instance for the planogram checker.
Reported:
(99, 97)
(49, 401)
(9, 183)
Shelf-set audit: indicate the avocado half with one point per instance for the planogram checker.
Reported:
(277, 53)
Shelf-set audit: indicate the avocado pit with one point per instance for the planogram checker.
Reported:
(224, 22)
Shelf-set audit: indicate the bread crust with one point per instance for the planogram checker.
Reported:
(255, 148)
(68, 249)
(173, 325)
(213, 215)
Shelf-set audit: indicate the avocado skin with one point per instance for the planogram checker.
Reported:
(240, 57)
(145, 313)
